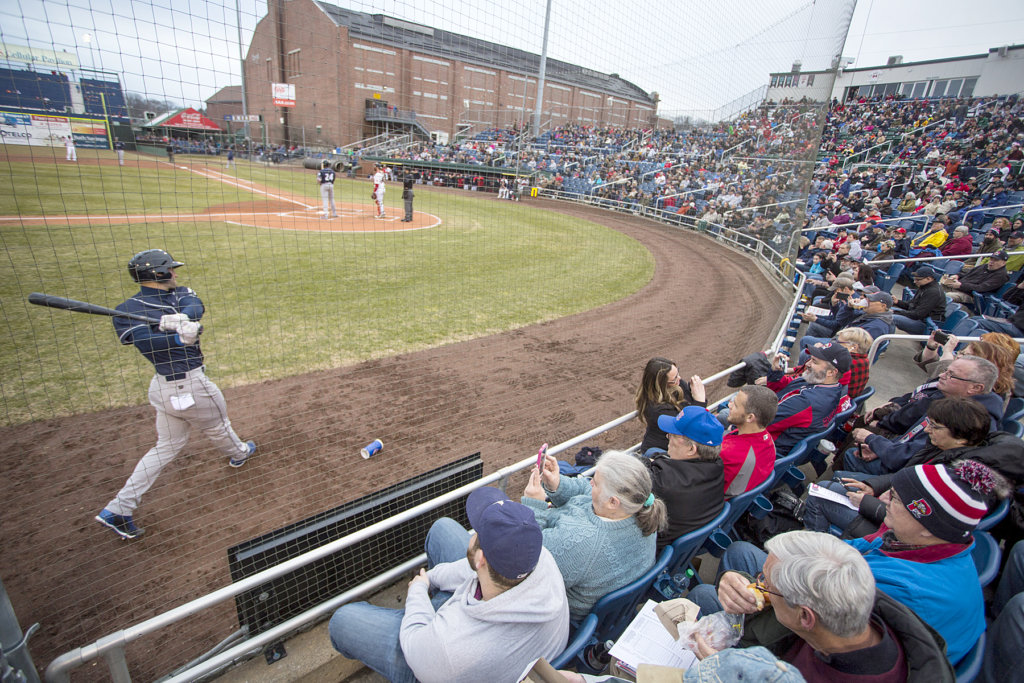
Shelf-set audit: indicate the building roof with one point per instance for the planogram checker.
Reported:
(433, 41)
(879, 67)
(229, 94)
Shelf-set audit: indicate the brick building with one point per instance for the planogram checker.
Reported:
(358, 74)
(226, 101)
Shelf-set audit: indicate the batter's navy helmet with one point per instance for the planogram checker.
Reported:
(325, 164)
(152, 265)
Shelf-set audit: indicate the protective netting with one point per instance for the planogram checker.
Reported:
(490, 321)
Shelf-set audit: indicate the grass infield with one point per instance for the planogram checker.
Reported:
(279, 302)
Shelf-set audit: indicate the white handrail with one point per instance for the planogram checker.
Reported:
(917, 338)
(982, 209)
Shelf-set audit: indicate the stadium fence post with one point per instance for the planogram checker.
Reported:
(14, 644)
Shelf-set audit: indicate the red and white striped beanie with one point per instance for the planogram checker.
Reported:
(947, 502)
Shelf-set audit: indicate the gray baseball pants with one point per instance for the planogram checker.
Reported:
(174, 421)
(327, 194)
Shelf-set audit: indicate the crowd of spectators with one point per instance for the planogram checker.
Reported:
(896, 598)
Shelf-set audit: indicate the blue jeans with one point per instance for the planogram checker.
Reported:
(854, 464)
(740, 556)
(1012, 580)
(815, 334)
(370, 634)
(819, 513)
(1005, 642)
(909, 325)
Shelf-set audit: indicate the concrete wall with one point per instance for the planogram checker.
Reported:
(1002, 75)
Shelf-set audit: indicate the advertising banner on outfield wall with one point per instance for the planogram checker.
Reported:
(40, 130)
(89, 133)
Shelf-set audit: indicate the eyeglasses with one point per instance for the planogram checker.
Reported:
(761, 586)
(950, 375)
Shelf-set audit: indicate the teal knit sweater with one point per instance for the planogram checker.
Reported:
(595, 555)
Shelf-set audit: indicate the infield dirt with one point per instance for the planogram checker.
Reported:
(503, 395)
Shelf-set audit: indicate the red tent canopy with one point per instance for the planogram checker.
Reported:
(191, 119)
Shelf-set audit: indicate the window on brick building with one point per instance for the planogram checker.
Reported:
(270, 70)
(292, 64)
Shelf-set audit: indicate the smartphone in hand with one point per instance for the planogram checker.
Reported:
(540, 458)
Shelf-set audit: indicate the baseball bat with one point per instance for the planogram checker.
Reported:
(52, 301)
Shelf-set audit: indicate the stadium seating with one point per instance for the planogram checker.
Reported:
(996, 516)
(616, 609)
(671, 582)
(112, 102)
(34, 90)
(968, 668)
(581, 638)
(986, 556)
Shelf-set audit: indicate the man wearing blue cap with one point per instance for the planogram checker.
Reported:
(690, 479)
(500, 603)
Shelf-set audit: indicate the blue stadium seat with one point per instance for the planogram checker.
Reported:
(996, 516)
(616, 609)
(684, 549)
(1014, 409)
(581, 638)
(968, 668)
(986, 556)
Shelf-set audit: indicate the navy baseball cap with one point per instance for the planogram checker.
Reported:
(833, 353)
(923, 272)
(696, 424)
(507, 531)
(1000, 255)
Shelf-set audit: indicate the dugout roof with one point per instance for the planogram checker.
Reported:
(188, 118)
(433, 41)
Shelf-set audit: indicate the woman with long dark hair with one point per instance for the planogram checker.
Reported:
(662, 393)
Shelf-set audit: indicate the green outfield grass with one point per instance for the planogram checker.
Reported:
(279, 303)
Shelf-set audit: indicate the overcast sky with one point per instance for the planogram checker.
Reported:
(698, 56)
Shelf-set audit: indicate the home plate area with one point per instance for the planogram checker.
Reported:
(351, 218)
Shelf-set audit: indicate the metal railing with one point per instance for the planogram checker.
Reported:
(985, 209)
(112, 647)
(916, 338)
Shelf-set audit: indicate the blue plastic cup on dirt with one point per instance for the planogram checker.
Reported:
(371, 449)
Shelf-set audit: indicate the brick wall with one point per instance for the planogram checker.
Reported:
(335, 76)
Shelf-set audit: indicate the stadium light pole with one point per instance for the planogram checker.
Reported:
(540, 76)
(241, 59)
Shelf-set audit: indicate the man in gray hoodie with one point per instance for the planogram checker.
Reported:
(500, 603)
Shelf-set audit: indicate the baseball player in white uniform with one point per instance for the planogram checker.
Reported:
(69, 146)
(378, 191)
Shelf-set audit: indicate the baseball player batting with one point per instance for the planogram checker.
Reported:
(325, 176)
(180, 391)
(378, 190)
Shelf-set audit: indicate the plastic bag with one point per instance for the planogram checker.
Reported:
(720, 630)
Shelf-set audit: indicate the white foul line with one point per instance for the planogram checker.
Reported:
(225, 179)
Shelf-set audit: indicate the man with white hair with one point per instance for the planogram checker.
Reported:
(920, 555)
(815, 604)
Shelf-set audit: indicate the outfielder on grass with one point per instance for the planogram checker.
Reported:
(180, 390)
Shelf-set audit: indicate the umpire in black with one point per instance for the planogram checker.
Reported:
(407, 195)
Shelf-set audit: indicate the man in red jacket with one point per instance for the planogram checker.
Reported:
(960, 243)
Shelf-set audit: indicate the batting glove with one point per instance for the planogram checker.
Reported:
(188, 332)
(170, 323)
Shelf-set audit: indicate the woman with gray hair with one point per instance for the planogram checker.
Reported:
(601, 532)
